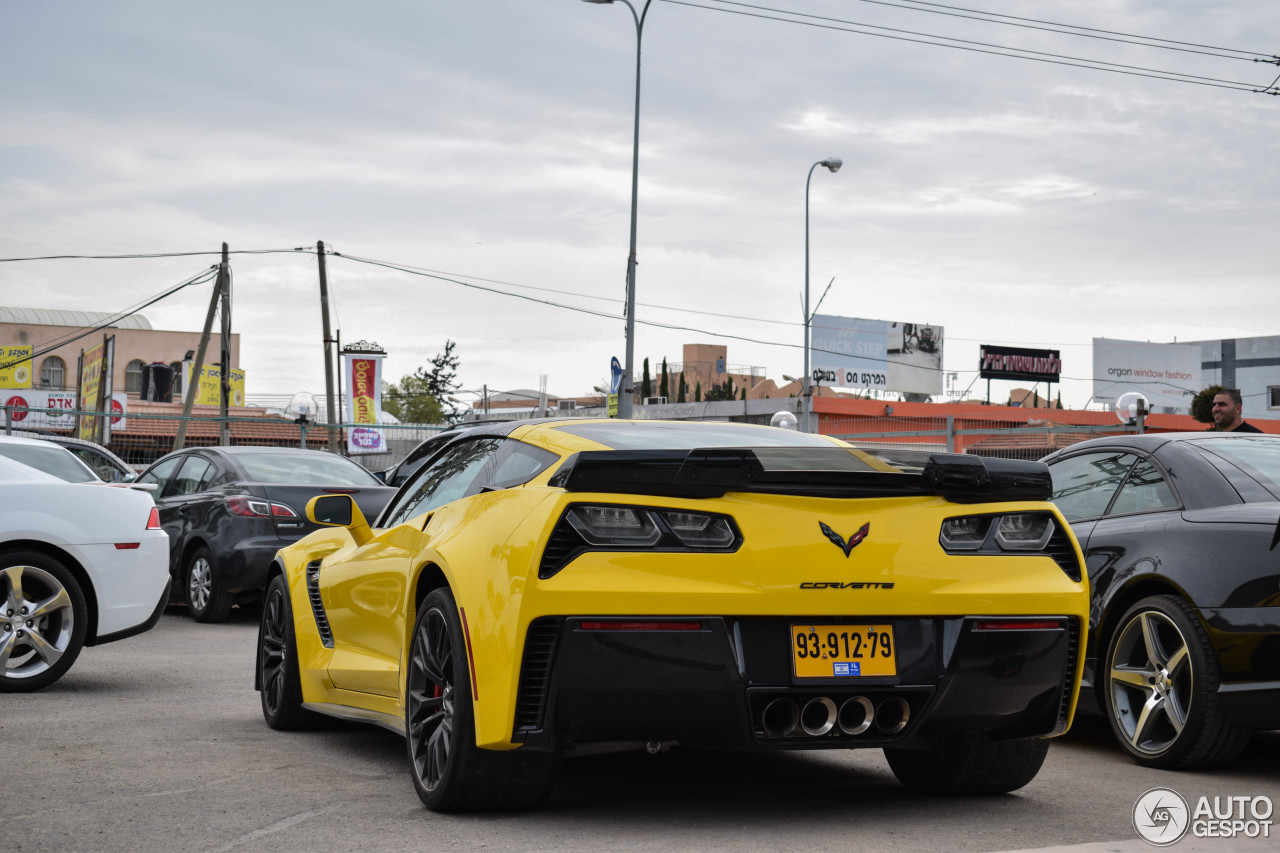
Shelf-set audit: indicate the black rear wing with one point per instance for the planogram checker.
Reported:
(810, 472)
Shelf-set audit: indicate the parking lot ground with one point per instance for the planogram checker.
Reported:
(158, 743)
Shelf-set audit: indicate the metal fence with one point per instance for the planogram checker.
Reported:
(147, 436)
(1043, 434)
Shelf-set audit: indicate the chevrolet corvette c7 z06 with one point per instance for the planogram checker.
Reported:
(536, 587)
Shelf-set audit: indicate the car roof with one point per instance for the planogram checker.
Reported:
(1149, 442)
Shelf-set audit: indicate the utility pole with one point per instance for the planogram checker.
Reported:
(328, 350)
(225, 433)
(193, 383)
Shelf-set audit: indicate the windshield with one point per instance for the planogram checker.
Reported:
(310, 469)
(50, 459)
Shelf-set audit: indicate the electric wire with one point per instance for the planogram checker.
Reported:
(83, 332)
(898, 34)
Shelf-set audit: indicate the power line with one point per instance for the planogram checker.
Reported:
(149, 255)
(898, 34)
(83, 332)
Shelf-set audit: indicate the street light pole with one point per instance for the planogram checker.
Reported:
(834, 164)
(625, 398)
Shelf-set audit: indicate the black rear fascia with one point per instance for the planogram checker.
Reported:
(711, 472)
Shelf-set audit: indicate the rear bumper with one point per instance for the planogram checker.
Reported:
(729, 684)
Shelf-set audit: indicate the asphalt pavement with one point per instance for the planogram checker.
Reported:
(158, 743)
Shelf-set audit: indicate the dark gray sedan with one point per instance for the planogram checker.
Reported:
(227, 511)
(1180, 534)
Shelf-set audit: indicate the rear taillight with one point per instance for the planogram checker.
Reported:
(258, 508)
(153, 520)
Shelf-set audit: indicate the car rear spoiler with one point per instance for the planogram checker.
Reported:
(710, 472)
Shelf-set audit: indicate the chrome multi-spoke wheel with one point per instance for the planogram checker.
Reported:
(41, 620)
(429, 703)
(278, 676)
(205, 599)
(1160, 689)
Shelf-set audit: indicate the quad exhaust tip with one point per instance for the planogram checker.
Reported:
(818, 716)
(783, 717)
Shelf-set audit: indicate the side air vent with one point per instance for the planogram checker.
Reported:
(535, 673)
(1059, 548)
(1073, 660)
(317, 605)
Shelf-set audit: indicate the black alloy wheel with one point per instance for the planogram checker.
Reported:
(450, 773)
(1160, 691)
(278, 674)
(43, 620)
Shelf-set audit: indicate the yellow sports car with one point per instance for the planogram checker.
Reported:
(539, 586)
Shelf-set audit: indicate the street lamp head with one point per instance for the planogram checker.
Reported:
(832, 163)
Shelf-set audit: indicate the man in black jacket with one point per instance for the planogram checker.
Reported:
(1226, 412)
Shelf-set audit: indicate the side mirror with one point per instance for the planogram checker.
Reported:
(340, 511)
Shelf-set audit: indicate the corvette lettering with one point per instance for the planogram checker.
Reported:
(848, 585)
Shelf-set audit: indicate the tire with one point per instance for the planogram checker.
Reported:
(278, 673)
(1160, 689)
(969, 764)
(450, 773)
(43, 619)
(206, 600)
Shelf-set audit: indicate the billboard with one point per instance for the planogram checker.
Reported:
(1032, 365)
(60, 409)
(96, 366)
(15, 367)
(1166, 374)
(876, 355)
(364, 402)
(210, 390)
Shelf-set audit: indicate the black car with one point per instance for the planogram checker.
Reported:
(227, 511)
(1180, 534)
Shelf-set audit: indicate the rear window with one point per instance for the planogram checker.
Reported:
(666, 435)
(1257, 456)
(776, 449)
(312, 469)
(50, 459)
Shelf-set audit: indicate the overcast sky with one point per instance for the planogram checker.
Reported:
(489, 141)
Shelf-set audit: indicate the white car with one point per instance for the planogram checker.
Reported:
(80, 565)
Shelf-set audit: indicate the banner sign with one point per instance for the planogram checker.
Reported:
(15, 367)
(1166, 374)
(364, 402)
(96, 366)
(61, 409)
(210, 391)
(876, 355)
(1031, 365)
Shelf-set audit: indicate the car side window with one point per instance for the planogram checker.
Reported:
(1145, 490)
(448, 478)
(161, 473)
(516, 464)
(1083, 485)
(99, 463)
(195, 472)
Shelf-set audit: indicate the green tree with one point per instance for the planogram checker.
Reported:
(680, 398)
(1202, 404)
(426, 396)
(697, 392)
(723, 391)
(646, 384)
(664, 385)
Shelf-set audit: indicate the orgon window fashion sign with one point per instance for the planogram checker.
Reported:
(1166, 374)
(1032, 365)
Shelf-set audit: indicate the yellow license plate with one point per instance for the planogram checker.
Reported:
(843, 651)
